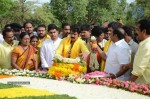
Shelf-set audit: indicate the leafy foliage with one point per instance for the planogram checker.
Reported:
(145, 6)
(71, 11)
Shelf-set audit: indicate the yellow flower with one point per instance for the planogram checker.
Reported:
(66, 69)
(23, 91)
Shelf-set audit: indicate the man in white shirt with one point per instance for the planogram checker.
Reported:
(117, 55)
(49, 47)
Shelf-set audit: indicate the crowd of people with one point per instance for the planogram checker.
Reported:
(117, 49)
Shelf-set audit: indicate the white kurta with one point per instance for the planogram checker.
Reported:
(47, 52)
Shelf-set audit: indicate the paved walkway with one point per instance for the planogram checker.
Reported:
(81, 91)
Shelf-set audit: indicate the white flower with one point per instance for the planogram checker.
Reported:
(3, 70)
(14, 70)
(59, 57)
(7, 72)
(65, 60)
(18, 74)
(28, 75)
(80, 80)
(78, 59)
(70, 61)
(91, 80)
(93, 38)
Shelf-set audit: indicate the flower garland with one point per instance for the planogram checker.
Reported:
(64, 66)
(126, 85)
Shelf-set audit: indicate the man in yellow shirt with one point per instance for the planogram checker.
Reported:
(6, 47)
(141, 65)
(41, 31)
(73, 46)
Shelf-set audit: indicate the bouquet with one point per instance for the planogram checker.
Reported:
(64, 66)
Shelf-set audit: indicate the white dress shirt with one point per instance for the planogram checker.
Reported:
(47, 52)
(118, 53)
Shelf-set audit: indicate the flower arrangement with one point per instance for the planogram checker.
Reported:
(86, 79)
(27, 73)
(126, 85)
(64, 66)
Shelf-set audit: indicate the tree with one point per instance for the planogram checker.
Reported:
(78, 11)
(42, 15)
(59, 9)
(72, 11)
(130, 20)
(5, 6)
(23, 10)
(100, 11)
(145, 6)
(15, 11)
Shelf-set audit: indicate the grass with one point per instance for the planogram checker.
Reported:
(4, 86)
(44, 97)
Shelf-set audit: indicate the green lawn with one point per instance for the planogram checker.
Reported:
(4, 86)
(44, 97)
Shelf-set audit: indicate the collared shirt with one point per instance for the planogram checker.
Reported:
(5, 54)
(48, 51)
(40, 42)
(118, 54)
(141, 65)
(134, 47)
(1, 38)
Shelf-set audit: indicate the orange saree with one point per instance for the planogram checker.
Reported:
(26, 59)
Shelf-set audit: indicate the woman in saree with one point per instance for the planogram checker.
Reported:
(34, 41)
(25, 55)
